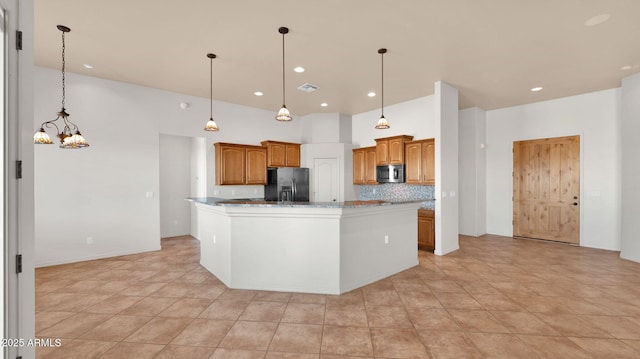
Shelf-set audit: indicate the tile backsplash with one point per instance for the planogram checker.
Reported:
(396, 192)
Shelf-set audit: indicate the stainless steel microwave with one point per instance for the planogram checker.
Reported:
(390, 174)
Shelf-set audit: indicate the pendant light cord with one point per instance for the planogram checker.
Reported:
(63, 68)
(211, 87)
(283, 75)
(382, 92)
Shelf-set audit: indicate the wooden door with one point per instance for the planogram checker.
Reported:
(382, 152)
(277, 154)
(413, 153)
(428, 162)
(230, 164)
(370, 165)
(358, 166)
(546, 189)
(256, 172)
(396, 151)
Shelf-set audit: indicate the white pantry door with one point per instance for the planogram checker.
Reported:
(326, 179)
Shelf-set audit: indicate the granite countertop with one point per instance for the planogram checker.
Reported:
(259, 202)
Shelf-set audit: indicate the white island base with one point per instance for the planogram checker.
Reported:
(306, 248)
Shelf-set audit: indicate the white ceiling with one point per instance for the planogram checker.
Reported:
(493, 51)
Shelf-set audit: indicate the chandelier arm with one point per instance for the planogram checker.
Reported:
(48, 124)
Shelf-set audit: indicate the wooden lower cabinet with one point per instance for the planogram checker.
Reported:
(426, 230)
(240, 164)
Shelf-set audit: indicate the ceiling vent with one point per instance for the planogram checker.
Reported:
(308, 87)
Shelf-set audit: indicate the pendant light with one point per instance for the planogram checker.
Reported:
(69, 136)
(382, 122)
(211, 124)
(283, 114)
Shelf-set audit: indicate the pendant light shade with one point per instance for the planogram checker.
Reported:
(382, 122)
(283, 114)
(69, 135)
(211, 124)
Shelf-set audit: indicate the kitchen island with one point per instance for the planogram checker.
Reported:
(309, 247)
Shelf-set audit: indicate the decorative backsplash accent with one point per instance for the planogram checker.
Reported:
(396, 192)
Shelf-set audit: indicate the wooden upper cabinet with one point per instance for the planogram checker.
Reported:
(420, 162)
(364, 165)
(256, 158)
(240, 164)
(282, 154)
(390, 150)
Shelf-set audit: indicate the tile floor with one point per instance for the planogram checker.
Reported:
(497, 297)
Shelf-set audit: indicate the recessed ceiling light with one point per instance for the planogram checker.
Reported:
(626, 67)
(597, 20)
(371, 94)
(536, 89)
(87, 66)
(298, 69)
(258, 93)
(324, 104)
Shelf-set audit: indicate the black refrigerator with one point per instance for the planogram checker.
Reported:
(288, 184)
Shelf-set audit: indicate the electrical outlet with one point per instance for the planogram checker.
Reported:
(386, 239)
(89, 240)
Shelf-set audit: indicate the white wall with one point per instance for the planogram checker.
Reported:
(175, 185)
(596, 118)
(472, 172)
(630, 245)
(326, 128)
(415, 118)
(101, 191)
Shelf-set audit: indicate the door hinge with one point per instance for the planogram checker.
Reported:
(18, 40)
(18, 169)
(18, 263)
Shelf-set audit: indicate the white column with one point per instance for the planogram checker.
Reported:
(446, 191)
(472, 172)
(629, 245)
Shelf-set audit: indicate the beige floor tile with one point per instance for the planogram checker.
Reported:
(397, 343)
(501, 346)
(224, 309)
(74, 326)
(308, 298)
(223, 353)
(304, 313)
(388, 317)
(186, 308)
(346, 315)
(419, 300)
(176, 290)
(283, 355)
(553, 347)
(133, 350)
(149, 306)
(497, 302)
(601, 348)
(387, 297)
(249, 335)
(346, 341)
(47, 319)
(141, 289)
(523, 323)
(355, 297)
(444, 286)
(113, 305)
(272, 296)
(458, 301)
(116, 328)
(203, 332)
(619, 327)
(176, 351)
(159, 330)
(572, 325)
(263, 311)
(449, 345)
(477, 321)
(297, 338)
(433, 319)
(78, 349)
